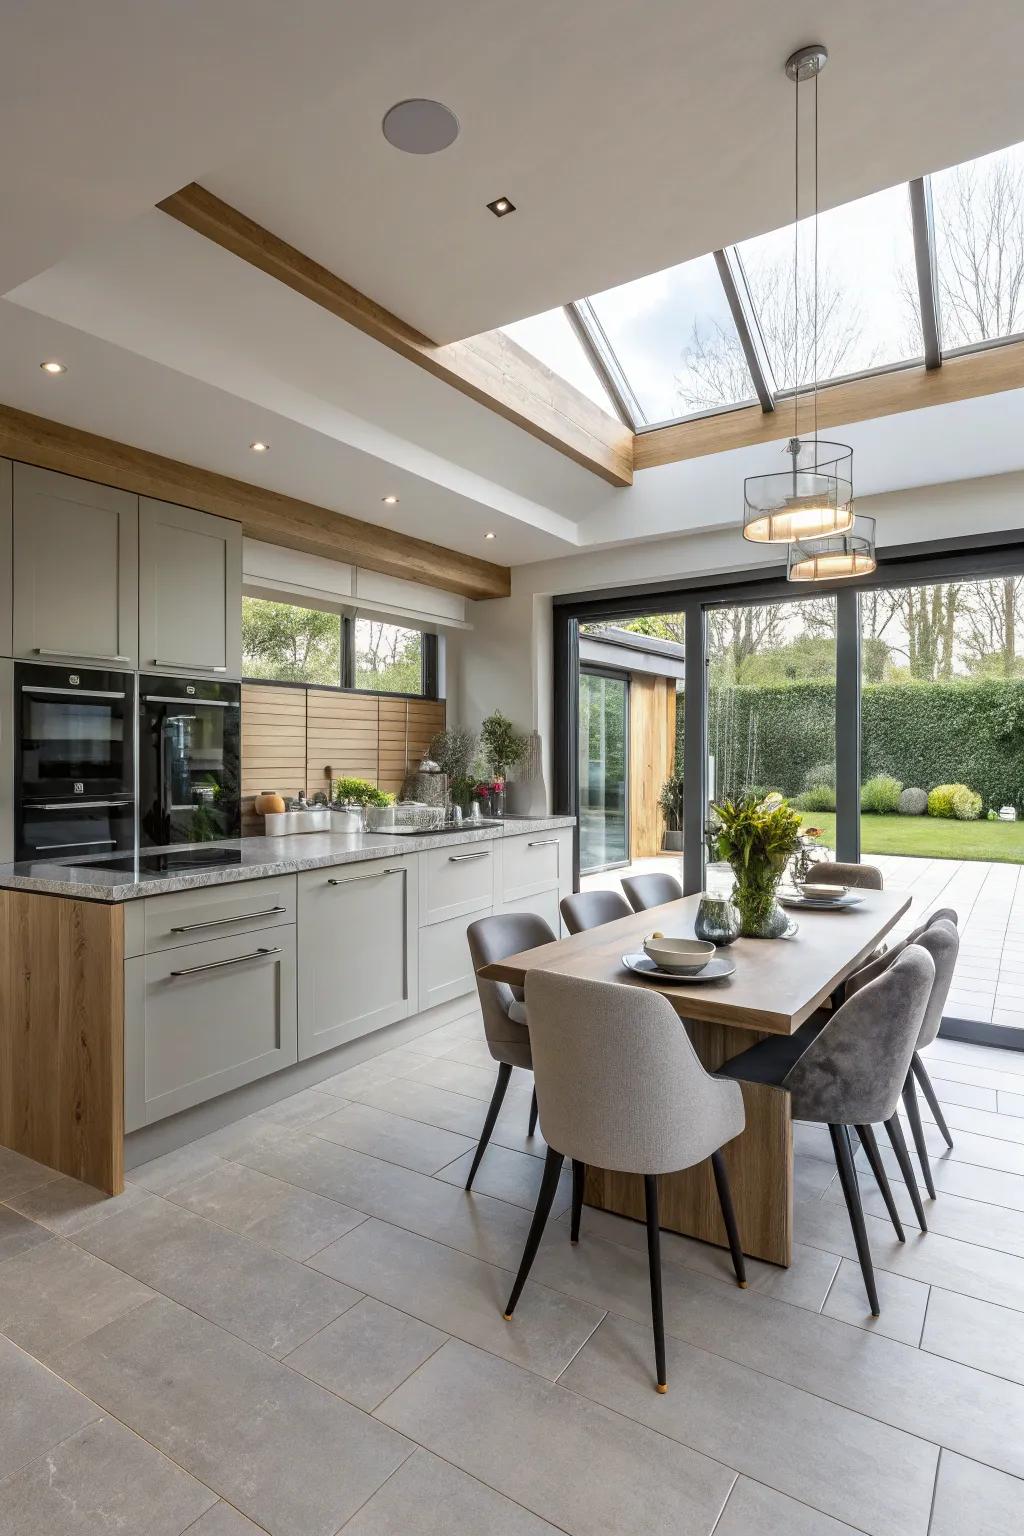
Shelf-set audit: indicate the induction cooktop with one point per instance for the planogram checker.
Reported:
(175, 861)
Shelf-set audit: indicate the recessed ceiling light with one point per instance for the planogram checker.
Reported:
(259, 447)
(490, 535)
(420, 127)
(389, 501)
(53, 367)
(501, 206)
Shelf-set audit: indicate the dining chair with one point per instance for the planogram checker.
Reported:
(643, 891)
(502, 1006)
(851, 1072)
(867, 876)
(589, 909)
(920, 1071)
(621, 1088)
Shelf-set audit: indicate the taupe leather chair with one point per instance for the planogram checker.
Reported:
(643, 891)
(851, 1072)
(867, 876)
(589, 909)
(503, 1009)
(620, 1087)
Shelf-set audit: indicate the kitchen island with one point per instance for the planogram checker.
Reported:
(130, 995)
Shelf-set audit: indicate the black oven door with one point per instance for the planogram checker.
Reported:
(70, 829)
(189, 760)
(75, 733)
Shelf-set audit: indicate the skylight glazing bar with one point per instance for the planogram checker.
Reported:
(734, 282)
(924, 260)
(584, 320)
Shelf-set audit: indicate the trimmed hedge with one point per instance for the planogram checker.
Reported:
(962, 732)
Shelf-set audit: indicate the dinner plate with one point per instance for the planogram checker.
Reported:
(813, 904)
(716, 970)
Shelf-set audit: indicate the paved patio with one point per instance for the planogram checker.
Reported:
(989, 981)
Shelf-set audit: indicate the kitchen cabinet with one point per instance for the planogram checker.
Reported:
(446, 969)
(205, 1018)
(6, 555)
(75, 569)
(535, 862)
(190, 590)
(358, 958)
(6, 761)
(457, 881)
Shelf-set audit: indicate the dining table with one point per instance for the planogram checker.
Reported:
(776, 986)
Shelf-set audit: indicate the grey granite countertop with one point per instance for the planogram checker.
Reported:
(260, 857)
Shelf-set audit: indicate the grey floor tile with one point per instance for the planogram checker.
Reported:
(974, 1499)
(474, 1082)
(293, 1221)
(66, 1206)
(261, 1296)
(841, 1463)
(19, 1173)
(440, 1041)
(754, 1510)
(54, 1294)
(367, 1352)
(368, 1074)
(511, 1176)
(431, 1498)
(474, 1053)
(462, 1295)
(1010, 1103)
(103, 1478)
(811, 1176)
(455, 1112)
(986, 1152)
(961, 1093)
(974, 1332)
(18, 1233)
(587, 1470)
(980, 1122)
(288, 1454)
(231, 1141)
(37, 1410)
(165, 1173)
(303, 1108)
(222, 1520)
(394, 1138)
(903, 1303)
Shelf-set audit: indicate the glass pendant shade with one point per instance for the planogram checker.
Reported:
(840, 554)
(813, 498)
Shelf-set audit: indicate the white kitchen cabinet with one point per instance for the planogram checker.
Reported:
(358, 955)
(75, 566)
(217, 912)
(190, 591)
(544, 903)
(458, 880)
(535, 862)
(6, 760)
(206, 1018)
(446, 969)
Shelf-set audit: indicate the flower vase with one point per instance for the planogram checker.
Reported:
(753, 895)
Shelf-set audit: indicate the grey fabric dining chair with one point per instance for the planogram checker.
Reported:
(502, 1006)
(643, 891)
(851, 1072)
(589, 909)
(620, 1087)
(866, 876)
(930, 1028)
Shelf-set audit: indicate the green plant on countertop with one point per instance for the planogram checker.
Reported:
(461, 791)
(453, 750)
(757, 838)
(504, 746)
(358, 792)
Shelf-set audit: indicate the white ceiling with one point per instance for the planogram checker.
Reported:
(626, 146)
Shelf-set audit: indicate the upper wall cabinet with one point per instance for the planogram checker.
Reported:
(190, 590)
(75, 568)
(6, 534)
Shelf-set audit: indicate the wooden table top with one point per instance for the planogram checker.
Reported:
(777, 984)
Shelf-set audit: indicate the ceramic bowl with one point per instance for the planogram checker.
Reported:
(822, 892)
(683, 957)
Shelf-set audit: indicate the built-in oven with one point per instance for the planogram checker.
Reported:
(74, 761)
(189, 760)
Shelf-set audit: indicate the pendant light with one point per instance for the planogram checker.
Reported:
(813, 497)
(838, 554)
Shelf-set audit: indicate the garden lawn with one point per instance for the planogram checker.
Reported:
(930, 837)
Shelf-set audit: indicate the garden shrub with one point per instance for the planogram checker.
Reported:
(940, 800)
(821, 776)
(966, 804)
(913, 802)
(820, 797)
(881, 795)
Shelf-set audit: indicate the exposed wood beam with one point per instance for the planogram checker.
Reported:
(490, 368)
(266, 515)
(987, 372)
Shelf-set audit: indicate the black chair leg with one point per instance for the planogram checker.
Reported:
(899, 1147)
(548, 1185)
(920, 1071)
(848, 1179)
(533, 1114)
(729, 1218)
(579, 1174)
(504, 1073)
(913, 1110)
(654, 1260)
(870, 1145)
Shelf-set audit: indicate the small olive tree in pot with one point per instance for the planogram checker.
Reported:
(671, 802)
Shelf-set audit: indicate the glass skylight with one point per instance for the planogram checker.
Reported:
(675, 341)
(978, 210)
(551, 339)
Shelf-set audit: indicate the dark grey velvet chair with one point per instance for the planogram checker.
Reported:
(503, 1008)
(866, 876)
(934, 1018)
(850, 1071)
(589, 909)
(643, 891)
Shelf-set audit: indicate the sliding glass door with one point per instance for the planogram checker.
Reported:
(603, 757)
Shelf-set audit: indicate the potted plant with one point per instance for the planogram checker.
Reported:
(351, 797)
(453, 750)
(503, 746)
(671, 802)
(757, 838)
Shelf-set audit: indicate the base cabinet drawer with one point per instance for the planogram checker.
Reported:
(357, 951)
(457, 881)
(545, 904)
(533, 862)
(446, 970)
(206, 1018)
(217, 912)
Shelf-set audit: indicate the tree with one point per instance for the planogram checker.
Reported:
(929, 616)
(980, 228)
(736, 634)
(992, 619)
(389, 659)
(289, 643)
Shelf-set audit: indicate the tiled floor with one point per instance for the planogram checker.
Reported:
(989, 898)
(293, 1326)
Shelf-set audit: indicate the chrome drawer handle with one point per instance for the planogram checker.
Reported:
(352, 879)
(82, 805)
(96, 842)
(80, 655)
(217, 922)
(544, 842)
(461, 858)
(186, 666)
(215, 965)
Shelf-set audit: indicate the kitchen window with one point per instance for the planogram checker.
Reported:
(284, 642)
